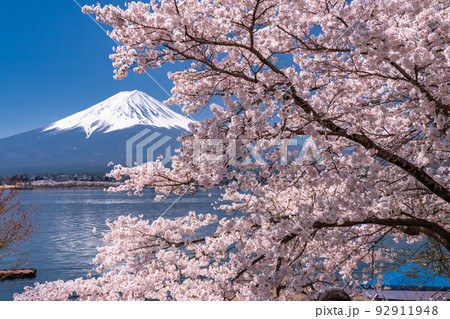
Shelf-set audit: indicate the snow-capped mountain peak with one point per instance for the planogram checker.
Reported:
(123, 110)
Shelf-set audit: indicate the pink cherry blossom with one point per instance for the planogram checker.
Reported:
(372, 91)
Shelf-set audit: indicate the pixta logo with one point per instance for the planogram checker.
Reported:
(144, 147)
(216, 149)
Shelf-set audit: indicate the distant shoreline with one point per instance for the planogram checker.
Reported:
(62, 185)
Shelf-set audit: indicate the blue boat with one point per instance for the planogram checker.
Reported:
(409, 282)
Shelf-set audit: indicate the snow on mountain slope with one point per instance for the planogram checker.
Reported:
(123, 110)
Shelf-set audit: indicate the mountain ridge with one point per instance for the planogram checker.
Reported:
(88, 140)
(122, 110)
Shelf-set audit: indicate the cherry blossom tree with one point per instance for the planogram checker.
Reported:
(367, 80)
(16, 226)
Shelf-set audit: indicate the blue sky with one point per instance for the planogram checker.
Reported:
(54, 62)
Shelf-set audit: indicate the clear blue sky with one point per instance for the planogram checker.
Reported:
(54, 62)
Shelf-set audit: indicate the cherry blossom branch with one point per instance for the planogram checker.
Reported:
(410, 226)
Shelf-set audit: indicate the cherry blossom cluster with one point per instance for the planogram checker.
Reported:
(371, 90)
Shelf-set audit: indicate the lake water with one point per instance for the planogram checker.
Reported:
(64, 244)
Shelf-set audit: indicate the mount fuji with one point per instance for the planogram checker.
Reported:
(118, 129)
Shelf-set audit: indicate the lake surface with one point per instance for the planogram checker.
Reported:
(64, 244)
